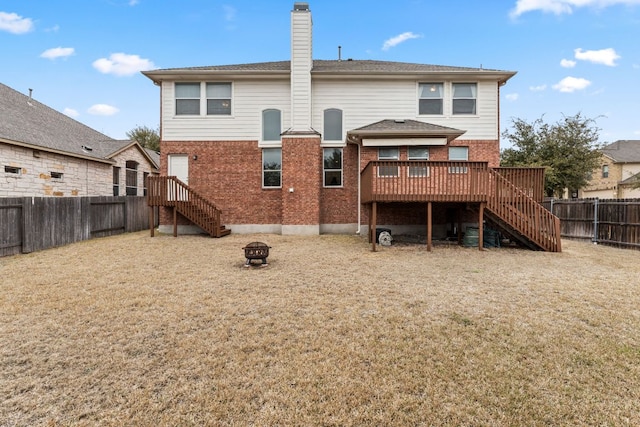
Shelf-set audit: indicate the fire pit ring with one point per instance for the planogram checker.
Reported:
(256, 250)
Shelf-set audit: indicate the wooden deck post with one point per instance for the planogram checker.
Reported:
(429, 226)
(459, 221)
(372, 230)
(175, 221)
(151, 220)
(481, 226)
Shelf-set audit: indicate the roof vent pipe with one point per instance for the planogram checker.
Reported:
(339, 53)
(30, 93)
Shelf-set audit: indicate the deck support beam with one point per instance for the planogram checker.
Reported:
(481, 226)
(372, 228)
(429, 225)
(175, 221)
(151, 220)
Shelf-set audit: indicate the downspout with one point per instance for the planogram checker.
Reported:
(359, 193)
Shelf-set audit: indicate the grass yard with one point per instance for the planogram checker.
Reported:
(163, 331)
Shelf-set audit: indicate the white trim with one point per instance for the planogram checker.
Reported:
(398, 142)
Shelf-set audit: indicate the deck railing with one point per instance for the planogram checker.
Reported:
(169, 191)
(424, 181)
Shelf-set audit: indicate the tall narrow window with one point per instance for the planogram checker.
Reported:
(431, 95)
(418, 153)
(219, 99)
(332, 167)
(605, 171)
(187, 99)
(271, 125)
(145, 176)
(272, 167)
(388, 154)
(333, 124)
(457, 154)
(464, 98)
(132, 178)
(116, 181)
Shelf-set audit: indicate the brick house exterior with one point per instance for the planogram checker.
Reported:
(46, 153)
(334, 118)
(618, 174)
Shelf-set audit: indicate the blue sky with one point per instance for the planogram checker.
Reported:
(84, 57)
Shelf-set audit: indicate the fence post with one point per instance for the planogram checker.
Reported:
(595, 221)
(27, 225)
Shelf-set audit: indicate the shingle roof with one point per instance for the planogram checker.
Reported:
(623, 151)
(27, 121)
(329, 67)
(405, 128)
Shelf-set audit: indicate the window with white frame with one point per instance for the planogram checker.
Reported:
(388, 153)
(332, 124)
(458, 154)
(605, 171)
(145, 178)
(418, 153)
(464, 98)
(272, 167)
(219, 99)
(131, 178)
(271, 125)
(56, 176)
(187, 99)
(12, 170)
(332, 167)
(431, 98)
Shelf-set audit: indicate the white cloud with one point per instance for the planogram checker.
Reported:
(559, 7)
(102, 110)
(602, 56)
(567, 63)
(122, 64)
(133, 2)
(394, 41)
(15, 23)
(229, 13)
(539, 88)
(53, 29)
(71, 112)
(571, 84)
(512, 96)
(57, 52)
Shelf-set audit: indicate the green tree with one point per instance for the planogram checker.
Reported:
(567, 149)
(145, 136)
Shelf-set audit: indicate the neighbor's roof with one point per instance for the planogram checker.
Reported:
(623, 151)
(405, 128)
(27, 122)
(328, 68)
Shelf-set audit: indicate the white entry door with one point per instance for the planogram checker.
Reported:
(179, 167)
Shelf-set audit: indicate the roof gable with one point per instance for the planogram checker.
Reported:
(623, 151)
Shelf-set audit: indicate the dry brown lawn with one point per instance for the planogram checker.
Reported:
(133, 330)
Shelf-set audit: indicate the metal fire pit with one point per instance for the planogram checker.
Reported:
(256, 250)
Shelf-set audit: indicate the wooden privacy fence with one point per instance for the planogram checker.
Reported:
(613, 222)
(30, 224)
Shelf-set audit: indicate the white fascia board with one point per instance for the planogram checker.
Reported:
(397, 142)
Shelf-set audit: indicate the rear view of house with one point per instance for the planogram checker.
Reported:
(619, 174)
(340, 146)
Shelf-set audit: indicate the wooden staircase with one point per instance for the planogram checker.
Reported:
(169, 191)
(520, 216)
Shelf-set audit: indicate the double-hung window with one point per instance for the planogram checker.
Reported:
(418, 153)
(464, 98)
(116, 181)
(271, 125)
(332, 167)
(431, 98)
(605, 171)
(458, 154)
(187, 99)
(388, 154)
(333, 124)
(132, 178)
(219, 99)
(272, 167)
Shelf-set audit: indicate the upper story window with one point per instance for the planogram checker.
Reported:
(431, 98)
(464, 98)
(272, 167)
(391, 153)
(187, 99)
(13, 170)
(605, 171)
(132, 178)
(271, 125)
(219, 99)
(418, 153)
(332, 167)
(332, 124)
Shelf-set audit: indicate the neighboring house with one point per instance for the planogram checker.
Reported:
(46, 153)
(330, 146)
(619, 172)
